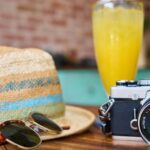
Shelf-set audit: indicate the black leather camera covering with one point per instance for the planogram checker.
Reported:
(122, 113)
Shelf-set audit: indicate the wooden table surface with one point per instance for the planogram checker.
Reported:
(92, 139)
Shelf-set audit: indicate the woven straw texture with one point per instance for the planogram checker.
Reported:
(28, 82)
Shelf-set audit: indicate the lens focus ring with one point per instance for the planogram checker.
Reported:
(144, 121)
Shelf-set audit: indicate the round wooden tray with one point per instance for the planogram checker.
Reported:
(79, 120)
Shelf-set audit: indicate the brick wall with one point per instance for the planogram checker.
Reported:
(57, 25)
(54, 25)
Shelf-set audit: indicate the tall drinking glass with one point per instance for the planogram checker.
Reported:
(117, 31)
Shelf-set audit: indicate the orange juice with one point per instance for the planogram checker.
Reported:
(117, 38)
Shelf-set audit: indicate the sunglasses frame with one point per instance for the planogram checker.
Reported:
(32, 121)
(3, 124)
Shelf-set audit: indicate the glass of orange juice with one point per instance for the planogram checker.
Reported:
(117, 32)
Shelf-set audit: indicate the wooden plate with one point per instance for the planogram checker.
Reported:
(79, 120)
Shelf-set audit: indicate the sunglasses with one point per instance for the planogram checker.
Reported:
(16, 132)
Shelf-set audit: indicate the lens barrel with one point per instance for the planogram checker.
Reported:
(144, 122)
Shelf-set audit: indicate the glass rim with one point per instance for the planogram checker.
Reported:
(136, 4)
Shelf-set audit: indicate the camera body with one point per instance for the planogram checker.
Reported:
(128, 109)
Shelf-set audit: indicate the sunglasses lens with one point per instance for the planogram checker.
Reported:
(20, 135)
(46, 122)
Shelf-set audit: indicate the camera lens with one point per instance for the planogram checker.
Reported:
(144, 122)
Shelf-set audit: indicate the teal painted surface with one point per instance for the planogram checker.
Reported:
(84, 87)
(143, 74)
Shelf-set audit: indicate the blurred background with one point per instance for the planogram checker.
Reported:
(61, 27)
(64, 29)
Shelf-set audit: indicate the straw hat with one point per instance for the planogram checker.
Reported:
(29, 82)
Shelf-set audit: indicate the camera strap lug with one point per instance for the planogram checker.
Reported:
(105, 108)
(104, 116)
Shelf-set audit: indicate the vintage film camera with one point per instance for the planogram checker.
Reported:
(127, 113)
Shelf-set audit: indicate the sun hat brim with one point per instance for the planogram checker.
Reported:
(79, 119)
